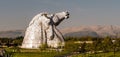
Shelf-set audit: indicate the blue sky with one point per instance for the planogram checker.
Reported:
(16, 14)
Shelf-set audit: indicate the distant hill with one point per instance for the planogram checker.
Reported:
(95, 31)
(11, 33)
(82, 33)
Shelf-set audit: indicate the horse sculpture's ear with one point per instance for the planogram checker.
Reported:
(45, 15)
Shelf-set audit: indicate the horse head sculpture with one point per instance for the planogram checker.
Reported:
(42, 30)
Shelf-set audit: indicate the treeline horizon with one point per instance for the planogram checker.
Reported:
(17, 41)
(99, 44)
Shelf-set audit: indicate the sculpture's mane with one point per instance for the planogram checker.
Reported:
(57, 17)
(37, 17)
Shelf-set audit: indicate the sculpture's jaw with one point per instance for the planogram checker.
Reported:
(67, 15)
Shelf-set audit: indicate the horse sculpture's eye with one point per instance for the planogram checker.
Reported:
(48, 22)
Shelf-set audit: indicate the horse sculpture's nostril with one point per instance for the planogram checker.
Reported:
(67, 17)
(68, 14)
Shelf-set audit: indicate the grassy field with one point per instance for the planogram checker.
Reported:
(53, 54)
(108, 54)
(33, 53)
(39, 53)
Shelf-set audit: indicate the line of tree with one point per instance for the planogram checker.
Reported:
(11, 41)
(99, 44)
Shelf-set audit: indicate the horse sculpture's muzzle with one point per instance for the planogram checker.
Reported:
(67, 15)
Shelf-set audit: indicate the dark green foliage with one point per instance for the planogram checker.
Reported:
(83, 48)
(18, 40)
(117, 44)
(103, 44)
(11, 42)
(71, 46)
(43, 47)
(96, 45)
(107, 44)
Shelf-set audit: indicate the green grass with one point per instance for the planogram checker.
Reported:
(108, 54)
(52, 53)
(34, 53)
(37, 54)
